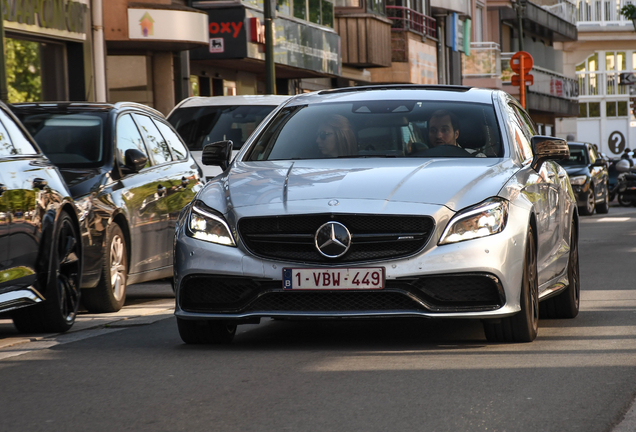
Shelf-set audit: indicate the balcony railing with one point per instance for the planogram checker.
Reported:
(484, 61)
(564, 9)
(546, 82)
(405, 19)
(602, 12)
(601, 84)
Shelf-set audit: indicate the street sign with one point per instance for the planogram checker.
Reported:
(516, 80)
(519, 60)
(627, 78)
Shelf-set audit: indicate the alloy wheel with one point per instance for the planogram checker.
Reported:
(117, 267)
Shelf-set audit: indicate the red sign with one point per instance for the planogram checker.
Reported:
(257, 30)
(520, 58)
(232, 28)
(516, 80)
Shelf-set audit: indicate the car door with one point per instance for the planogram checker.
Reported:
(4, 223)
(25, 175)
(140, 194)
(162, 182)
(598, 173)
(185, 173)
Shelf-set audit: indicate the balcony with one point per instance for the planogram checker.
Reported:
(483, 67)
(405, 19)
(602, 13)
(364, 39)
(601, 84)
(551, 92)
(564, 9)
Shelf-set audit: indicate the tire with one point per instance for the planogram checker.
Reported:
(603, 208)
(524, 325)
(62, 288)
(110, 293)
(624, 202)
(566, 304)
(588, 209)
(205, 331)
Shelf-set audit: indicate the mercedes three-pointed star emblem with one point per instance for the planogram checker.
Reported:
(333, 239)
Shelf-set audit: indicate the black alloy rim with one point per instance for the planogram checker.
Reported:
(68, 271)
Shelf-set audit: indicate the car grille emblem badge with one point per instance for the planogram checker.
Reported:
(333, 202)
(333, 239)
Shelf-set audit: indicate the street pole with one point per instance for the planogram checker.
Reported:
(4, 92)
(270, 71)
(520, 7)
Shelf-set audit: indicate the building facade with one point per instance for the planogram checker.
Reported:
(606, 47)
(48, 50)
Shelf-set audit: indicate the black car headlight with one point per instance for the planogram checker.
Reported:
(578, 180)
(487, 218)
(207, 226)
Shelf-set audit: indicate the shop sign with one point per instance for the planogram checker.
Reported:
(226, 34)
(65, 19)
(167, 25)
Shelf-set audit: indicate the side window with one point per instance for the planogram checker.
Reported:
(527, 121)
(128, 137)
(520, 135)
(12, 139)
(157, 146)
(593, 155)
(178, 148)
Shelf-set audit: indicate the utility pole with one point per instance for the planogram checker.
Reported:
(4, 92)
(270, 71)
(520, 7)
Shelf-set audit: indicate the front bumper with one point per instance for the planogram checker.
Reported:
(480, 278)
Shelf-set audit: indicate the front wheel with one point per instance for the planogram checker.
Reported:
(623, 201)
(205, 331)
(588, 209)
(57, 313)
(110, 293)
(603, 207)
(524, 325)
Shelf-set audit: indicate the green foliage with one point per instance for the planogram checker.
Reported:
(24, 80)
(628, 11)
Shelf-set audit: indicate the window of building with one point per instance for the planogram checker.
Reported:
(283, 7)
(377, 6)
(300, 9)
(347, 3)
(589, 109)
(478, 22)
(587, 73)
(616, 108)
(614, 65)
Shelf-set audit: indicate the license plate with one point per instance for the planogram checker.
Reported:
(364, 278)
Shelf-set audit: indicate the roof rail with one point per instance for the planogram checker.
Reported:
(139, 106)
(458, 88)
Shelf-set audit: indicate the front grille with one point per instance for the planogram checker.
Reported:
(221, 294)
(292, 238)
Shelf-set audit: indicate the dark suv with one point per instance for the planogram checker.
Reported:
(130, 175)
(589, 178)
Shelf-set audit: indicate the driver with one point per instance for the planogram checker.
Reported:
(443, 129)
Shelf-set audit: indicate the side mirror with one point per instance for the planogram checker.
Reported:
(135, 160)
(217, 154)
(599, 163)
(547, 148)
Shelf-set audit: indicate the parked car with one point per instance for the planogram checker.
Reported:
(439, 202)
(40, 245)
(589, 177)
(130, 175)
(204, 120)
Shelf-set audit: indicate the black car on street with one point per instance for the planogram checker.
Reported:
(130, 175)
(589, 178)
(40, 243)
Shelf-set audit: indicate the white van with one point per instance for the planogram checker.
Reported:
(204, 120)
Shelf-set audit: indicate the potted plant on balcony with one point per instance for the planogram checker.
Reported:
(629, 12)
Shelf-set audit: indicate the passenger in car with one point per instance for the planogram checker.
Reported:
(335, 137)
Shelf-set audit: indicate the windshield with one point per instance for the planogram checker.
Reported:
(199, 126)
(380, 129)
(578, 156)
(68, 139)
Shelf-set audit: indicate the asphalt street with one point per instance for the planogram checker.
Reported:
(130, 370)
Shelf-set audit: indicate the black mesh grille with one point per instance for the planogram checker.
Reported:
(372, 237)
(440, 293)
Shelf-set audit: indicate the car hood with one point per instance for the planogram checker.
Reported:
(577, 170)
(454, 183)
(81, 181)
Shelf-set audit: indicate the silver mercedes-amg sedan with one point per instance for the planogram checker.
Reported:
(383, 202)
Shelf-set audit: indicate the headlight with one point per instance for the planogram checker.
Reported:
(484, 219)
(206, 226)
(578, 180)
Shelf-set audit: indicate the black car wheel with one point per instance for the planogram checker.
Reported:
(523, 326)
(603, 207)
(205, 331)
(57, 313)
(588, 209)
(110, 293)
(566, 304)
(624, 202)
